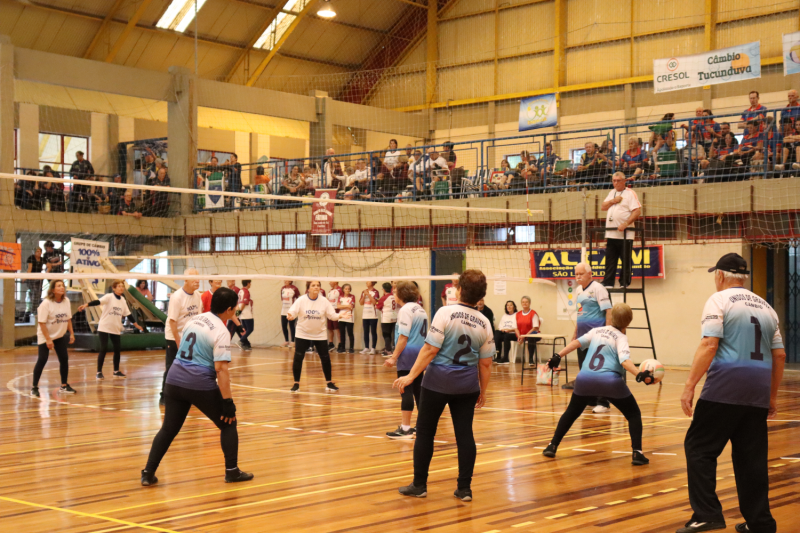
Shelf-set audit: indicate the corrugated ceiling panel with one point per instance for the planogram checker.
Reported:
(733, 9)
(647, 49)
(466, 39)
(95, 7)
(768, 30)
(584, 66)
(472, 81)
(514, 75)
(589, 21)
(463, 8)
(654, 15)
(380, 14)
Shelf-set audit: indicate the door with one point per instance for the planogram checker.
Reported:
(444, 263)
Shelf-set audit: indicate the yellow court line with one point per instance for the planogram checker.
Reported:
(616, 502)
(562, 515)
(523, 524)
(87, 515)
(585, 509)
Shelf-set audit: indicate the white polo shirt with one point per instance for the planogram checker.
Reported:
(621, 212)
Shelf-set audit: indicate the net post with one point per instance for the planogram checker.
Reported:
(394, 229)
(583, 227)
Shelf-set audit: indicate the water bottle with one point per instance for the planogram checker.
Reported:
(47, 204)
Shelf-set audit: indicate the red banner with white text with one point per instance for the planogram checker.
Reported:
(322, 212)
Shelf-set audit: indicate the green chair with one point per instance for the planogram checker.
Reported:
(441, 189)
(667, 165)
(562, 165)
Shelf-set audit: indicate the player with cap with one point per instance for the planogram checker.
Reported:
(742, 352)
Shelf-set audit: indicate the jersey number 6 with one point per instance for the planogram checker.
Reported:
(191, 338)
(598, 360)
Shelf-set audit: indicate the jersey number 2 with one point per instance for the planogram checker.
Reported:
(598, 360)
(191, 338)
(757, 355)
(463, 339)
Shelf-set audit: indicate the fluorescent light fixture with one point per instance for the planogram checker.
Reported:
(179, 15)
(326, 10)
(279, 26)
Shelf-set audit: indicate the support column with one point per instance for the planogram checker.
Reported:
(182, 132)
(321, 132)
(100, 153)
(432, 56)
(560, 48)
(7, 231)
(709, 43)
(28, 136)
(491, 119)
(630, 108)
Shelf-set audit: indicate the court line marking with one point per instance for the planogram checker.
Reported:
(642, 496)
(523, 524)
(87, 515)
(586, 509)
(616, 502)
(666, 491)
(555, 516)
(582, 450)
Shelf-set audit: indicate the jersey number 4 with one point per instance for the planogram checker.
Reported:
(191, 338)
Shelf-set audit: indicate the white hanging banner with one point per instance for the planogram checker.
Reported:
(791, 53)
(85, 256)
(736, 63)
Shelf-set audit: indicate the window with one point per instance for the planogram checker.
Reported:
(383, 239)
(491, 235)
(575, 155)
(271, 242)
(354, 239)
(58, 150)
(248, 243)
(295, 241)
(523, 234)
(417, 237)
(201, 244)
(225, 244)
(334, 240)
(452, 236)
(717, 226)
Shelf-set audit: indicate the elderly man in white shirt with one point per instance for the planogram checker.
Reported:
(623, 208)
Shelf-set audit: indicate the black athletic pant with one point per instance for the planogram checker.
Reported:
(387, 330)
(503, 340)
(249, 325)
(300, 347)
(531, 343)
(346, 328)
(627, 406)
(715, 424)
(232, 328)
(370, 326)
(411, 393)
(115, 343)
(616, 249)
(177, 402)
(60, 347)
(581, 358)
(462, 411)
(287, 325)
(172, 351)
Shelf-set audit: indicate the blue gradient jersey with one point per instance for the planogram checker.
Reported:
(412, 322)
(593, 302)
(602, 372)
(463, 336)
(204, 341)
(747, 328)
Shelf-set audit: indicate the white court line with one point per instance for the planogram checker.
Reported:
(294, 429)
(626, 453)
(374, 437)
(269, 426)
(346, 434)
(657, 453)
(317, 431)
(441, 441)
(582, 450)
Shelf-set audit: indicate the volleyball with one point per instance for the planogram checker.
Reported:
(655, 368)
(794, 53)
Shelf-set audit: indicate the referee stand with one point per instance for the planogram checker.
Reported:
(625, 291)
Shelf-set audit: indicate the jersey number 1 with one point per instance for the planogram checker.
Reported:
(191, 338)
(757, 355)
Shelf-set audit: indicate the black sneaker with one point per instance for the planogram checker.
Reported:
(694, 527)
(340, 349)
(504, 361)
(330, 387)
(639, 459)
(465, 495)
(236, 476)
(399, 434)
(413, 490)
(148, 479)
(35, 392)
(100, 376)
(550, 451)
(330, 346)
(742, 528)
(351, 351)
(295, 387)
(118, 374)
(66, 389)
(568, 386)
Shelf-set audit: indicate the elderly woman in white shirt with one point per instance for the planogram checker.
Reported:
(391, 157)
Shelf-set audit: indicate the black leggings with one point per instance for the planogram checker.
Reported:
(60, 347)
(387, 330)
(101, 356)
(287, 325)
(462, 411)
(346, 327)
(627, 406)
(503, 340)
(411, 393)
(370, 326)
(177, 402)
(172, 351)
(300, 348)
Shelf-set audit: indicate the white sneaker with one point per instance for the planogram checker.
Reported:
(778, 167)
(371, 351)
(796, 166)
(601, 409)
(285, 345)
(365, 351)
(291, 345)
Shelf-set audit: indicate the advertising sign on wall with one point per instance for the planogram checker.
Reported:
(560, 264)
(538, 112)
(736, 63)
(322, 212)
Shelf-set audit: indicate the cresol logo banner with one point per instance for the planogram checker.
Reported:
(736, 63)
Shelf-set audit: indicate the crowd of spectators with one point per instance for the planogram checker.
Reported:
(99, 198)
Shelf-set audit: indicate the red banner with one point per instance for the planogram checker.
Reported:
(322, 212)
(10, 256)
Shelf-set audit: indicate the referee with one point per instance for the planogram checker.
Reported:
(623, 208)
(742, 352)
(458, 355)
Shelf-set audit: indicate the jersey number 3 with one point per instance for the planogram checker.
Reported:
(191, 338)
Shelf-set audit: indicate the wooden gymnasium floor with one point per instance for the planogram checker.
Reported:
(322, 464)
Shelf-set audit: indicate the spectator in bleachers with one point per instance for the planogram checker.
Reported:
(608, 153)
(50, 196)
(790, 145)
(756, 112)
(233, 173)
(752, 145)
(127, 207)
(416, 170)
(439, 167)
(260, 178)
(725, 128)
(792, 109)
(28, 193)
(391, 158)
(592, 163)
(157, 202)
(633, 158)
(332, 170)
(308, 177)
(115, 195)
(97, 195)
(362, 175)
(293, 183)
(449, 155)
(527, 166)
(547, 163)
(149, 166)
(711, 130)
(81, 169)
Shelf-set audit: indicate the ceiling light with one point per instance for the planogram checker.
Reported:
(179, 14)
(326, 10)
